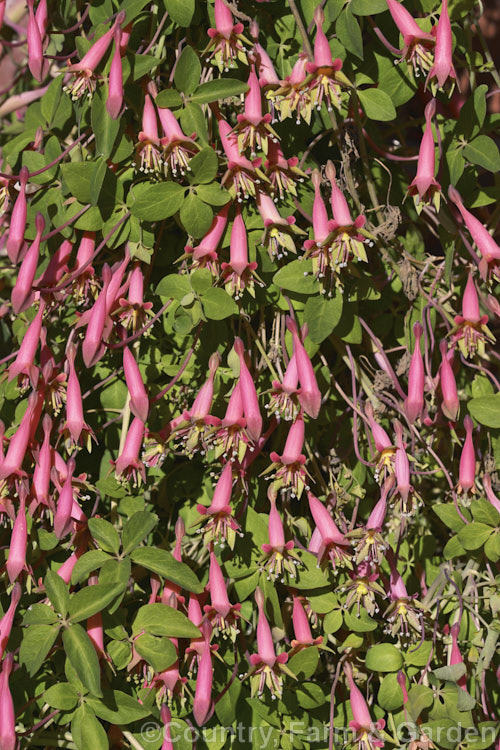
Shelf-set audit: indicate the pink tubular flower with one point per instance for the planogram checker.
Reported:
(249, 395)
(16, 561)
(455, 657)
(303, 637)
(85, 81)
(114, 101)
(37, 64)
(442, 69)
(334, 545)
(265, 68)
(139, 402)
(418, 45)
(15, 240)
(231, 440)
(470, 331)
(450, 404)
(293, 95)
(177, 147)
(128, 465)
(425, 188)
(24, 362)
(222, 614)
(414, 403)
(278, 557)
(367, 731)
(325, 86)
(368, 540)
(404, 613)
(489, 266)
(8, 739)
(134, 312)
(267, 668)
(242, 175)
(363, 588)
(93, 347)
(289, 470)
(166, 718)
(43, 465)
(94, 625)
(404, 488)
(205, 254)
(75, 429)
(227, 43)
(23, 295)
(284, 400)
(283, 173)
(219, 524)
(488, 490)
(348, 236)
(238, 273)
(203, 705)
(13, 461)
(8, 618)
(467, 468)
(149, 149)
(278, 232)
(63, 521)
(253, 128)
(310, 395)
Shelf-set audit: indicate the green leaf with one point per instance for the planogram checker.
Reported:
(297, 277)
(87, 563)
(62, 696)
(36, 644)
(368, 7)
(158, 202)
(50, 100)
(484, 512)
(310, 695)
(483, 151)
(221, 88)
(160, 619)
(104, 127)
(163, 563)
(174, 286)
(96, 180)
(105, 535)
(90, 600)
(187, 71)
(384, 657)
(132, 9)
(420, 698)
(193, 122)
(81, 653)
(217, 304)
(456, 164)
(362, 624)
(472, 114)
(137, 528)
(142, 64)
(93, 733)
(333, 621)
(453, 548)
(204, 166)
(309, 576)
(169, 98)
(349, 33)
(213, 194)
(452, 673)
(303, 665)
(181, 11)
(39, 614)
(57, 591)
(449, 516)
(159, 652)
(77, 176)
(377, 105)
(486, 410)
(322, 315)
(418, 656)
(390, 695)
(117, 707)
(195, 216)
(474, 535)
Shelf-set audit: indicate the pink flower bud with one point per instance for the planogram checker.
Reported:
(114, 101)
(292, 451)
(19, 442)
(63, 522)
(265, 67)
(8, 618)
(426, 164)
(8, 740)
(330, 534)
(340, 209)
(139, 402)
(467, 468)
(23, 294)
(265, 645)
(451, 403)
(16, 561)
(483, 239)
(455, 655)
(248, 395)
(41, 474)
(203, 401)
(443, 62)
(94, 625)
(15, 240)
(93, 347)
(380, 437)
(74, 404)
(218, 593)
(470, 302)
(36, 62)
(310, 395)
(128, 462)
(24, 362)
(414, 403)
(322, 51)
(202, 704)
(320, 216)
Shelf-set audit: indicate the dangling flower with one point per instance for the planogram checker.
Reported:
(267, 668)
(404, 490)
(442, 69)
(363, 589)
(404, 614)
(278, 232)
(16, 559)
(191, 427)
(418, 45)
(310, 395)
(384, 457)
(227, 41)
(334, 545)
(85, 80)
(425, 188)
(278, 556)
(149, 151)
(93, 346)
(219, 524)
(7, 620)
(283, 173)
(347, 242)
(8, 737)
(489, 266)
(128, 465)
(17, 228)
(303, 637)
(38, 65)
(253, 128)
(450, 405)
(177, 147)
(368, 540)
(367, 734)
(203, 705)
(75, 430)
(289, 470)
(133, 312)
(326, 84)
(114, 102)
(230, 440)
(85, 285)
(139, 401)
(248, 395)
(242, 175)
(43, 465)
(205, 255)
(238, 274)
(24, 363)
(455, 657)
(284, 400)
(414, 403)
(470, 330)
(222, 614)
(467, 469)
(293, 95)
